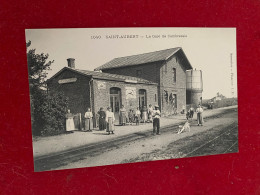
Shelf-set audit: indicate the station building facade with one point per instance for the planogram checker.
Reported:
(167, 68)
(89, 89)
(156, 78)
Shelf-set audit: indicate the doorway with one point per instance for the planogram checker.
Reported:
(115, 101)
(142, 98)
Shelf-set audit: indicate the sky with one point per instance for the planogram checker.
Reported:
(212, 50)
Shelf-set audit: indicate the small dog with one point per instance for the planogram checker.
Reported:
(185, 127)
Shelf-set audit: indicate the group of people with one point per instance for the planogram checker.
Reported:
(190, 113)
(144, 115)
(150, 115)
(106, 119)
(199, 111)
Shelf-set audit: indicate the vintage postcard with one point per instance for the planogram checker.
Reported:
(103, 96)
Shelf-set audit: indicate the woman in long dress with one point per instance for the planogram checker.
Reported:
(144, 114)
(69, 122)
(88, 120)
(102, 119)
(110, 119)
(122, 115)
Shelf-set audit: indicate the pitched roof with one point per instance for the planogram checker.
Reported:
(155, 56)
(105, 76)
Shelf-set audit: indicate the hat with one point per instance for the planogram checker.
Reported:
(156, 106)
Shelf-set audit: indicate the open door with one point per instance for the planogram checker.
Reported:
(115, 101)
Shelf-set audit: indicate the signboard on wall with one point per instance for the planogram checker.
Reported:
(130, 92)
(69, 80)
(101, 85)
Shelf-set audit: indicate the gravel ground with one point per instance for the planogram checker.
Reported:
(54, 144)
(168, 145)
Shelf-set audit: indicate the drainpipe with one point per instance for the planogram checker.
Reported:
(92, 99)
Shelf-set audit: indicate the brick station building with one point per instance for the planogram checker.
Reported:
(167, 68)
(134, 81)
(90, 89)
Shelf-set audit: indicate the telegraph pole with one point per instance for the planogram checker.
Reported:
(231, 75)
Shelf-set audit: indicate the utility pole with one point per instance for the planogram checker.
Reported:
(231, 75)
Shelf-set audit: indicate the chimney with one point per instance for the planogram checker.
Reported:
(71, 62)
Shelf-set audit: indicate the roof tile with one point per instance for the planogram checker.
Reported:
(108, 76)
(139, 59)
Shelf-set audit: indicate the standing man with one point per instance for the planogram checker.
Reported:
(156, 120)
(199, 115)
(88, 120)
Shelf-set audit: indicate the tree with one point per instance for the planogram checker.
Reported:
(220, 96)
(48, 111)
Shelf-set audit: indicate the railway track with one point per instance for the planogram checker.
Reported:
(48, 162)
(226, 142)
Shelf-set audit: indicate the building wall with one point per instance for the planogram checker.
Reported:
(161, 73)
(168, 86)
(102, 94)
(149, 71)
(77, 92)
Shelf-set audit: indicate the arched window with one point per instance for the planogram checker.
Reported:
(142, 98)
(115, 99)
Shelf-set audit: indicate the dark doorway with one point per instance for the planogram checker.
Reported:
(115, 101)
(142, 98)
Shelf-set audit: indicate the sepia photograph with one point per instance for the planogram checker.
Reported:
(106, 96)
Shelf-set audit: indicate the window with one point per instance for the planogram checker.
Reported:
(174, 74)
(138, 73)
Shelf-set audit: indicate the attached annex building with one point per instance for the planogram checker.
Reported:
(90, 89)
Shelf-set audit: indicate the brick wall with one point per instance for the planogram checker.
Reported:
(77, 92)
(161, 73)
(168, 85)
(148, 71)
(102, 94)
